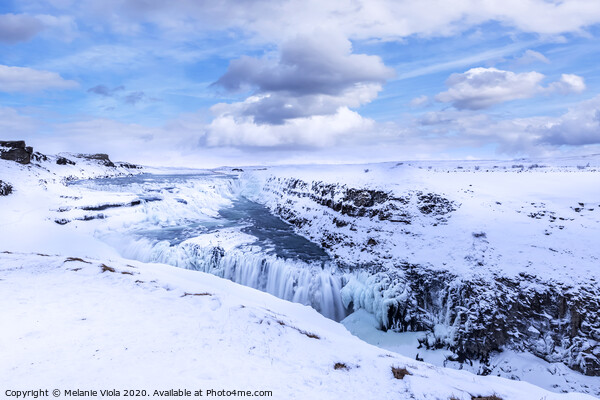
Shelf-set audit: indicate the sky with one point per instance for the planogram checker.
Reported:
(244, 82)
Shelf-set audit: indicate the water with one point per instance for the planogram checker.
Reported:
(180, 216)
(274, 236)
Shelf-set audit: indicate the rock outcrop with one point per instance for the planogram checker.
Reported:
(100, 157)
(129, 165)
(5, 188)
(64, 161)
(16, 150)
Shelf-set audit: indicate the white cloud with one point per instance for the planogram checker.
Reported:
(344, 136)
(311, 77)
(307, 65)
(480, 88)
(189, 141)
(314, 131)
(20, 79)
(16, 28)
(579, 126)
(568, 83)
(357, 19)
(302, 99)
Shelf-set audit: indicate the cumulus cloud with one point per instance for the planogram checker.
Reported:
(16, 28)
(579, 126)
(480, 88)
(311, 77)
(307, 65)
(20, 79)
(315, 131)
(568, 83)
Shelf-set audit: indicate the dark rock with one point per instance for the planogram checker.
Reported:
(39, 157)
(553, 320)
(434, 204)
(92, 217)
(103, 207)
(15, 150)
(64, 161)
(13, 144)
(5, 188)
(101, 157)
(340, 223)
(129, 165)
(365, 198)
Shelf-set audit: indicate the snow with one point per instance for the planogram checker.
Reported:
(535, 223)
(495, 201)
(508, 364)
(152, 326)
(68, 324)
(227, 239)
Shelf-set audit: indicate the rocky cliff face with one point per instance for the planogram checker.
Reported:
(100, 157)
(16, 150)
(482, 312)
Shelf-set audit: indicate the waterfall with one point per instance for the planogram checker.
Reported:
(311, 284)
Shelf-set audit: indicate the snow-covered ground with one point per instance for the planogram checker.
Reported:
(522, 366)
(98, 324)
(106, 321)
(539, 217)
(511, 245)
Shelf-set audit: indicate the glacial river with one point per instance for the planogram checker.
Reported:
(204, 222)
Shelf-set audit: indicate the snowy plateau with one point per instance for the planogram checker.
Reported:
(407, 280)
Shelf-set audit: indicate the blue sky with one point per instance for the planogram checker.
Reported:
(203, 83)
